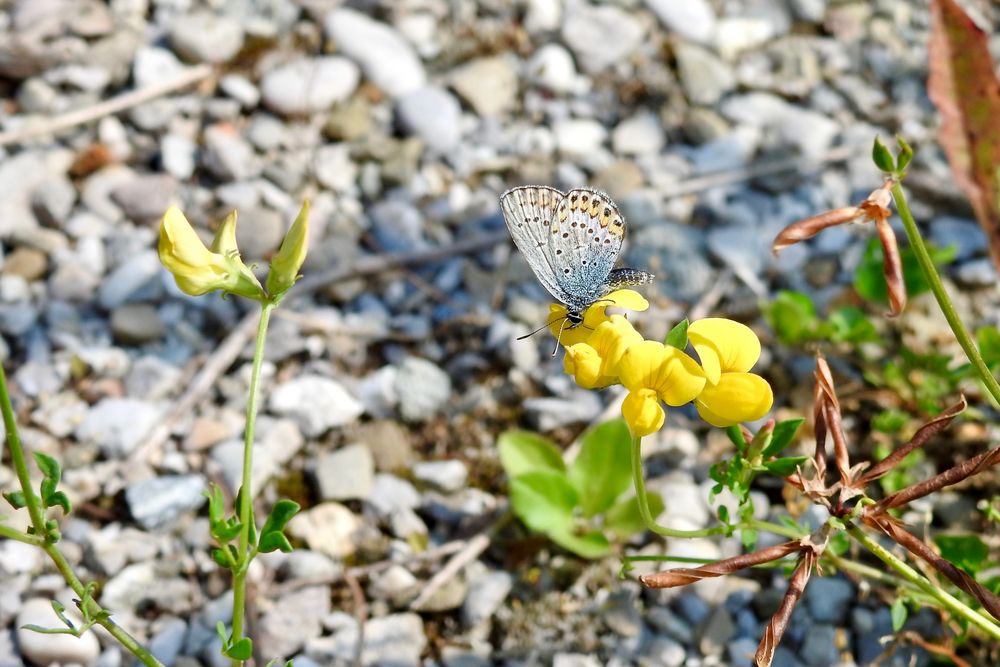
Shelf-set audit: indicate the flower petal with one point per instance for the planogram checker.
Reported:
(179, 243)
(611, 339)
(737, 397)
(628, 299)
(584, 363)
(724, 346)
(642, 412)
(673, 375)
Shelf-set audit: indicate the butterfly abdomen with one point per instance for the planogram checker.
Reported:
(625, 277)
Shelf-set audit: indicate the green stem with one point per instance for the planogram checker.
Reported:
(944, 301)
(43, 539)
(245, 494)
(946, 600)
(647, 516)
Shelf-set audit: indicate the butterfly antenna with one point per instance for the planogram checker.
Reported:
(555, 349)
(544, 326)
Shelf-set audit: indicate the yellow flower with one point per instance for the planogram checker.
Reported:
(285, 264)
(593, 317)
(595, 363)
(728, 350)
(198, 270)
(653, 372)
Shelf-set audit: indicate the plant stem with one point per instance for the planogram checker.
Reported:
(42, 538)
(245, 494)
(944, 301)
(946, 600)
(647, 516)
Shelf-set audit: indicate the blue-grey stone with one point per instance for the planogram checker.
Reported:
(819, 649)
(828, 599)
(158, 501)
(965, 236)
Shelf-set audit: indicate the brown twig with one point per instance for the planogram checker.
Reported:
(973, 466)
(779, 622)
(469, 553)
(55, 124)
(682, 576)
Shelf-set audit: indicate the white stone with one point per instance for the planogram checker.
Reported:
(316, 403)
(552, 67)
(309, 85)
(434, 115)
(692, 19)
(386, 58)
(328, 528)
(579, 136)
(488, 85)
(641, 134)
(601, 36)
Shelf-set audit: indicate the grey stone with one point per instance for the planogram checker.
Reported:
(693, 19)
(329, 528)
(46, 649)
(146, 197)
(621, 613)
(966, 236)
(486, 593)
(53, 201)
(741, 652)
(579, 137)
(177, 155)
(292, 620)
(396, 640)
(259, 232)
(716, 632)
(158, 501)
(386, 58)
(151, 378)
(206, 37)
(447, 597)
(675, 254)
(828, 599)
(811, 132)
(146, 584)
(398, 226)
(443, 475)
(704, 76)
(562, 659)
(316, 403)
(552, 67)
(664, 651)
(549, 413)
(241, 89)
(136, 324)
(129, 278)
(168, 641)
(153, 65)
(118, 425)
(390, 493)
(819, 649)
(346, 473)
(601, 35)
(423, 389)
(334, 168)
(228, 155)
(309, 85)
(488, 85)
(640, 134)
(434, 115)
(977, 273)
(389, 444)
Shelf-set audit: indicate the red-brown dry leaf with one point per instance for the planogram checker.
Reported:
(963, 85)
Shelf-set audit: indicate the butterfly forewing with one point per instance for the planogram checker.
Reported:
(586, 236)
(529, 212)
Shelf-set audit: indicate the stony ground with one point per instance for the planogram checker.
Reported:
(402, 122)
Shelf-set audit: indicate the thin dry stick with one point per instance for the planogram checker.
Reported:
(973, 466)
(779, 622)
(682, 576)
(226, 354)
(104, 108)
(471, 552)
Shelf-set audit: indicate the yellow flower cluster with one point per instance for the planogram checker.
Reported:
(606, 350)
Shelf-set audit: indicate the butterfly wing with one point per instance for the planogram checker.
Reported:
(529, 212)
(586, 235)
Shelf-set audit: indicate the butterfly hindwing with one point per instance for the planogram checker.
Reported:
(586, 234)
(529, 211)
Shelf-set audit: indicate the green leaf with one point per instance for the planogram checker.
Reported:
(786, 466)
(988, 339)
(271, 536)
(48, 465)
(904, 156)
(16, 499)
(678, 336)
(523, 451)
(792, 315)
(890, 421)
(968, 552)
(589, 545)
(898, 612)
(603, 470)
(839, 544)
(784, 431)
(220, 630)
(58, 499)
(544, 500)
(882, 157)
(624, 519)
(849, 324)
(216, 504)
(242, 649)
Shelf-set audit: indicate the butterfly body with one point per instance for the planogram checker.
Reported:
(571, 241)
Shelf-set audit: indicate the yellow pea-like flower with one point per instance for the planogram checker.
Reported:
(595, 363)
(653, 372)
(198, 270)
(728, 350)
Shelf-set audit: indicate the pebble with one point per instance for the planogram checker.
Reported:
(27, 263)
(693, 19)
(178, 155)
(445, 476)
(577, 137)
(638, 135)
(145, 198)
(228, 155)
(390, 493)
(206, 37)
(118, 425)
(129, 278)
(434, 115)
(292, 620)
(550, 413)
(828, 599)
(488, 85)
(159, 501)
(389, 444)
(347, 473)
(666, 652)
(136, 324)
(309, 85)
(819, 648)
(146, 584)
(168, 641)
(704, 76)
(259, 232)
(329, 528)
(552, 67)
(601, 35)
(315, 403)
(486, 593)
(423, 389)
(385, 57)
(716, 632)
(46, 649)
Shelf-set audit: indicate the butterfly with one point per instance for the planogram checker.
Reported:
(571, 241)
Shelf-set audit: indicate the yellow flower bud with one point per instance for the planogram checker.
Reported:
(196, 269)
(285, 264)
(642, 412)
